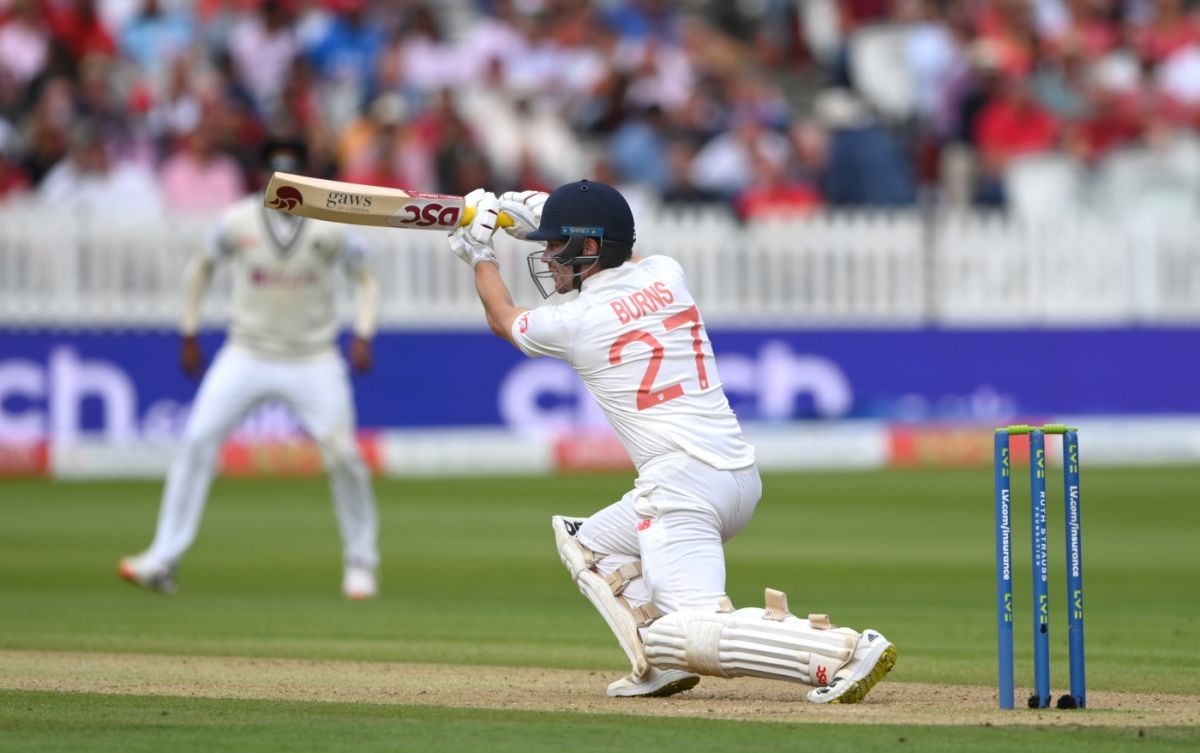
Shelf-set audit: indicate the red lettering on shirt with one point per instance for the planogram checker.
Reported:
(282, 278)
(643, 525)
(648, 300)
(639, 298)
(665, 292)
(621, 311)
(523, 324)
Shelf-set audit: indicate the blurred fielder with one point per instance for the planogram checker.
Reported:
(653, 563)
(280, 346)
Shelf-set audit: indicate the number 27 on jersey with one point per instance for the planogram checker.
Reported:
(647, 396)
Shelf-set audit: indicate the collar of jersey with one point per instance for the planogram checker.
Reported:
(606, 276)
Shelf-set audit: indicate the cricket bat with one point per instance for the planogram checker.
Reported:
(360, 204)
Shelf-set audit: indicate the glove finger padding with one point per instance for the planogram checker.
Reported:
(525, 210)
(473, 242)
(487, 211)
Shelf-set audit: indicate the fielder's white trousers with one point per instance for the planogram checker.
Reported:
(675, 520)
(318, 390)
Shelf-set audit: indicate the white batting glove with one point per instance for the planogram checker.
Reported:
(487, 211)
(525, 209)
(473, 242)
(470, 250)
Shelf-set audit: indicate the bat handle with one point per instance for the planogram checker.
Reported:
(502, 219)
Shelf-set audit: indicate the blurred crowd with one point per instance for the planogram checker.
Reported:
(143, 106)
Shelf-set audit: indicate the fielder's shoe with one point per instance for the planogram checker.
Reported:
(359, 582)
(149, 573)
(656, 683)
(873, 658)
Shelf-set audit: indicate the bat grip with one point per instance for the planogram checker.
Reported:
(502, 219)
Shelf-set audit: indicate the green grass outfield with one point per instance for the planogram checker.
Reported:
(471, 578)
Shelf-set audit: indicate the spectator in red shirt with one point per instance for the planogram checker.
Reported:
(79, 27)
(855, 13)
(775, 193)
(1171, 30)
(1014, 124)
(1006, 26)
(1091, 32)
(1009, 126)
(1115, 118)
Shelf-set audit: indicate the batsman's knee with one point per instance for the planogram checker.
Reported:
(605, 592)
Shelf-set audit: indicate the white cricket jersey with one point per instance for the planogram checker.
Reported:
(636, 338)
(284, 271)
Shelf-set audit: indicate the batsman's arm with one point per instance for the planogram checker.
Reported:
(497, 301)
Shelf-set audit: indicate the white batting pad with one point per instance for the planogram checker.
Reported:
(596, 589)
(748, 643)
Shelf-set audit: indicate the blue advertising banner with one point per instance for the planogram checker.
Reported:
(124, 385)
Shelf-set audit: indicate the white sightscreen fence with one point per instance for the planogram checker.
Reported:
(864, 268)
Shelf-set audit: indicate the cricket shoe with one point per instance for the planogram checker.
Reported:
(149, 573)
(359, 582)
(873, 658)
(656, 683)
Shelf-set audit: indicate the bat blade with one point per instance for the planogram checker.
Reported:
(360, 204)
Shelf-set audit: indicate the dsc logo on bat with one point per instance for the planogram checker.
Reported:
(425, 215)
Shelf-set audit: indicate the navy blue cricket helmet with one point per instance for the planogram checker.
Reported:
(575, 212)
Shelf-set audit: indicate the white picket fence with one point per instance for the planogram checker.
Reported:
(1082, 270)
(895, 269)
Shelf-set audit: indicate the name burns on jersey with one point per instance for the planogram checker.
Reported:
(645, 301)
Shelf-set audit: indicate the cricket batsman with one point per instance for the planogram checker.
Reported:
(653, 562)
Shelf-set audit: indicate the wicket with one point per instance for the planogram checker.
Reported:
(1077, 698)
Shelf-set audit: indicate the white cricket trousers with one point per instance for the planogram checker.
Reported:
(675, 520)
(318, 390)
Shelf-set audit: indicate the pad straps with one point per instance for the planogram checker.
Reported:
(618, 580)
